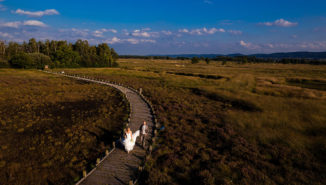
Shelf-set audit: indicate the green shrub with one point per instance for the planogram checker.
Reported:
(39, 60)
(207, 60)
(4, 63)
(21, 60)
(115, 64)
(30, 60)
(195, 60)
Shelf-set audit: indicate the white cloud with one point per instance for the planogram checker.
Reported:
(270, 45)
(281, 23)
(17, 24)
(2, 7)
(99, 33)
(113, 40)
(284, 47)
(227, 22)
(249, 45)
(148, 41)
(146, 29)
(196, 32)
(208, 2)
(133, 41)
(80, 32)
(184, 30)
(5, 35)
(167, 32)
(139, 33)
(202, 31)
(243, 43)
(14, 24)
(34, 23)
(137, 41)
(75, 34)
(112, 30)
(213, 30)
(235, 32)
(313, 45)
(142, 33)
(37, 13)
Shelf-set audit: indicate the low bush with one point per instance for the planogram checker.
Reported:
(30, 60)
(4, 63)
(21, 60)
(40, 60)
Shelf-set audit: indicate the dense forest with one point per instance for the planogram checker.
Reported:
(56, 54)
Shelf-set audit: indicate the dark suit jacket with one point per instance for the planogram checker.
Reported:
(141, 129)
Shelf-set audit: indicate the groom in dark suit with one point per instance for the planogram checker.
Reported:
(143, 133)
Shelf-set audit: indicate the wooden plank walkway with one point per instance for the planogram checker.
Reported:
(119, 168)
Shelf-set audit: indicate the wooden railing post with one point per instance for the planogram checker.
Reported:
(140, 169)
(84, 173)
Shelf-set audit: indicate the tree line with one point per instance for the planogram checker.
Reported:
(56, 54)
(237, 59)
(253, 59)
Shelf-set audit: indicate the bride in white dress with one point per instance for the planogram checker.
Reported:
(130, 140)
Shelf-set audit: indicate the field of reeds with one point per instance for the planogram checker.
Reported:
(51, 127)
(229, 123)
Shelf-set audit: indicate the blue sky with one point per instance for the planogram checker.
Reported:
(171, 27)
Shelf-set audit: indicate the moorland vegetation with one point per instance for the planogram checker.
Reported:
(231, 123)
(52, 128)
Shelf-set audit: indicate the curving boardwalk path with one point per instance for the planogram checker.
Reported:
(119, 167)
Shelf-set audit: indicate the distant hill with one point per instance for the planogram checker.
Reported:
(306, 55)
(302, 55)
(191, 55)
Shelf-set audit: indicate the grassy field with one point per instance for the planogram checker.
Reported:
(233, 123)
(52, 127)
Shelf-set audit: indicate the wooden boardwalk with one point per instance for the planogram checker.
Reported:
(119, 167)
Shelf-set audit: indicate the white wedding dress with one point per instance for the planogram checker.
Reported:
(130, 140)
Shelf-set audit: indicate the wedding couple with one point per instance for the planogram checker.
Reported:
(129, 138)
